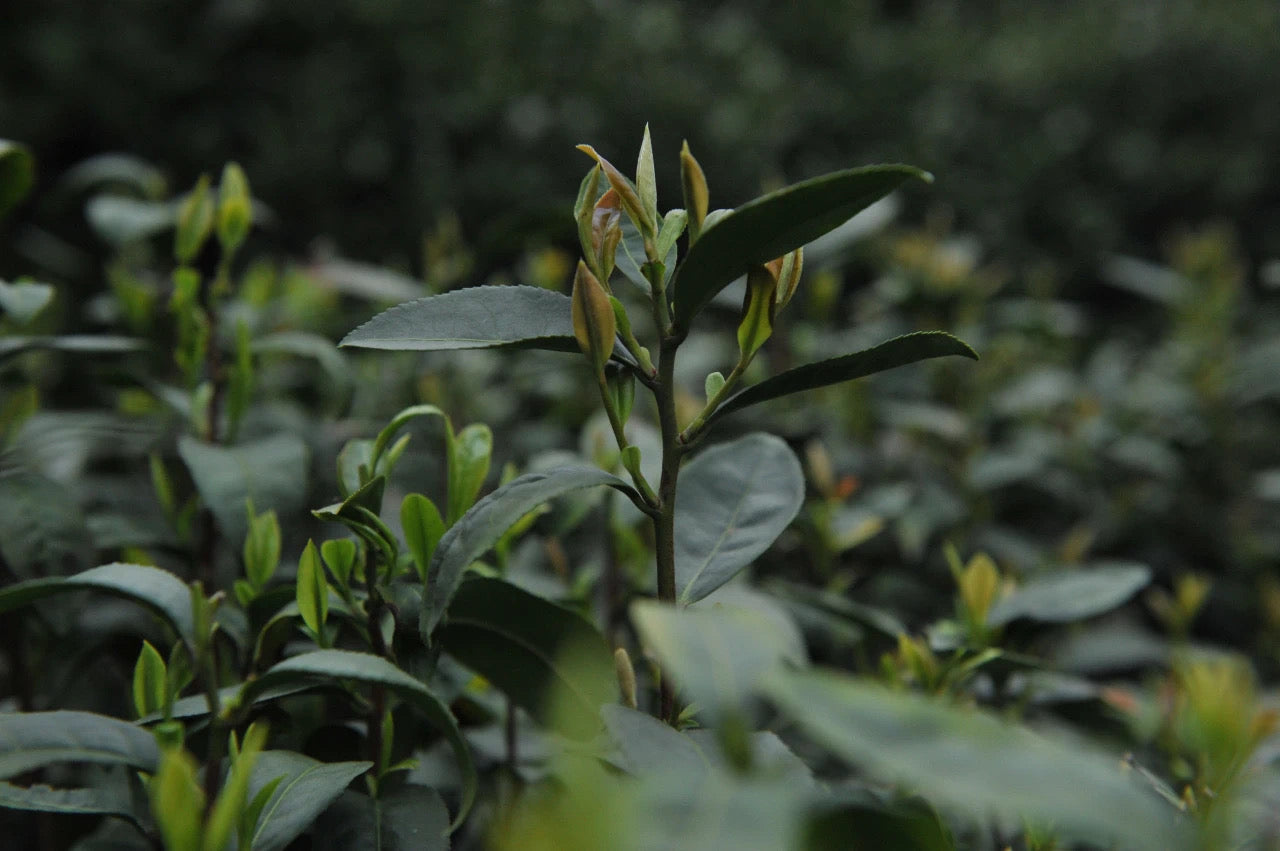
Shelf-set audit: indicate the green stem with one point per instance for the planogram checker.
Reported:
(664, 523)
(620, 436)
(694, 429)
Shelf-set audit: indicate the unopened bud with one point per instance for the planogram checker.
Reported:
(594, 325)
(758, 308)
(712, 385)
(627, 193)
(195, 221)
(626, 677)
(696, 196)
(606, 231)
(235, 208)
(621, 382)
(789, 276)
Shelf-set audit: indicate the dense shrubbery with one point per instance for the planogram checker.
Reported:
(1075, 535)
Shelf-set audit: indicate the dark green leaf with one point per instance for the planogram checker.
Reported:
(327, 666)
(975, 763)
(549, 660)
(649, 746)
(92, 344)
(17, 174)
(158, 590)
(869, 824)
(481, 527)
(899, 351)
(475, 318)
(42, 529)
(89, 800)
(1072, 595)
(412, 818)
(271, 471)
(307, 787)
(733, 501)
(31, 740)
(774, 224)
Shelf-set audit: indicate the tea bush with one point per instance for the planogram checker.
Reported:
(473, 589)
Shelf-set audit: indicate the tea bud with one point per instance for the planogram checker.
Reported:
(626, 676)
(195, 222)
(758, 308)
(696, 196)
(628, 195)
(594, 325)
(235, 208)
(789, 276)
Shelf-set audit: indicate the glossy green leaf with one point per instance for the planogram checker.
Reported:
(475, 318)
(17, 174)
(469, 454)
(774, 224)
(733, 501)
(262, 549)
(327, 666)
(716, 655)
(23, 300)
(481, 527)
(649, 746)
(1072, 595)
(973, 762)
(549, 660)
(150, 684)
(412, 818)
(271, 471)
(31, 740)
(178, 801)
(899, 351)
(423, 528)
(158, 590)
(389, 431)
(89, 800)
(340, 555)
(312, 590)
(306, 788)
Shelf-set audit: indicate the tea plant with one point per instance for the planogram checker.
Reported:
(390, 673)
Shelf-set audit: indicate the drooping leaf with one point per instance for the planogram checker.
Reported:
(306, 788)
(716, 655)
(272, 471)
(412, 818)
(158, 590)
(17, 174)
(31, 740)
(481, 527)
(899, 351)
(1071, 595)
(327, 666)
(549, 660)
(119, 219)
(774, 224)
(733, 501)
(85, 344)
(972, 762)
(632, 257)
(469, 454)
(475, 318)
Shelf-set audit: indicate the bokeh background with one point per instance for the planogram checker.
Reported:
(1104, 228)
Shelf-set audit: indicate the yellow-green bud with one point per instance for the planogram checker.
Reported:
(627, 193)
(696, 197)
(594, 325)
(789, 276)
(235, 208)
(626, 676)
(195, 222)
(758, 308)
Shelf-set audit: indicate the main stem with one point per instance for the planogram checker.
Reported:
(664, 523)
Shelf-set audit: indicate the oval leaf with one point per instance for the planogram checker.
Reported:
(899, 351)
(774, 224)
(481, 527)
(158, 590)
(412, 818)
(733, 501)
(1073, 595)
(469, 454)
(423, 529)
(475, 318)
(330, 665)
(549, 660)
(306, 788)
(271, 471)
(975, 763)
(31, 740)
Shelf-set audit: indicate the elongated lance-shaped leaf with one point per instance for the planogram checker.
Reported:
(334, 665)
(774, 224)
(899, 351)
(306, 787)
(158, 590)
(31, 740)
(476, 318)
(1072, 595)
(971, 761)
(549, 660)
(733, 501)
(90, 800)
(481, 527)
